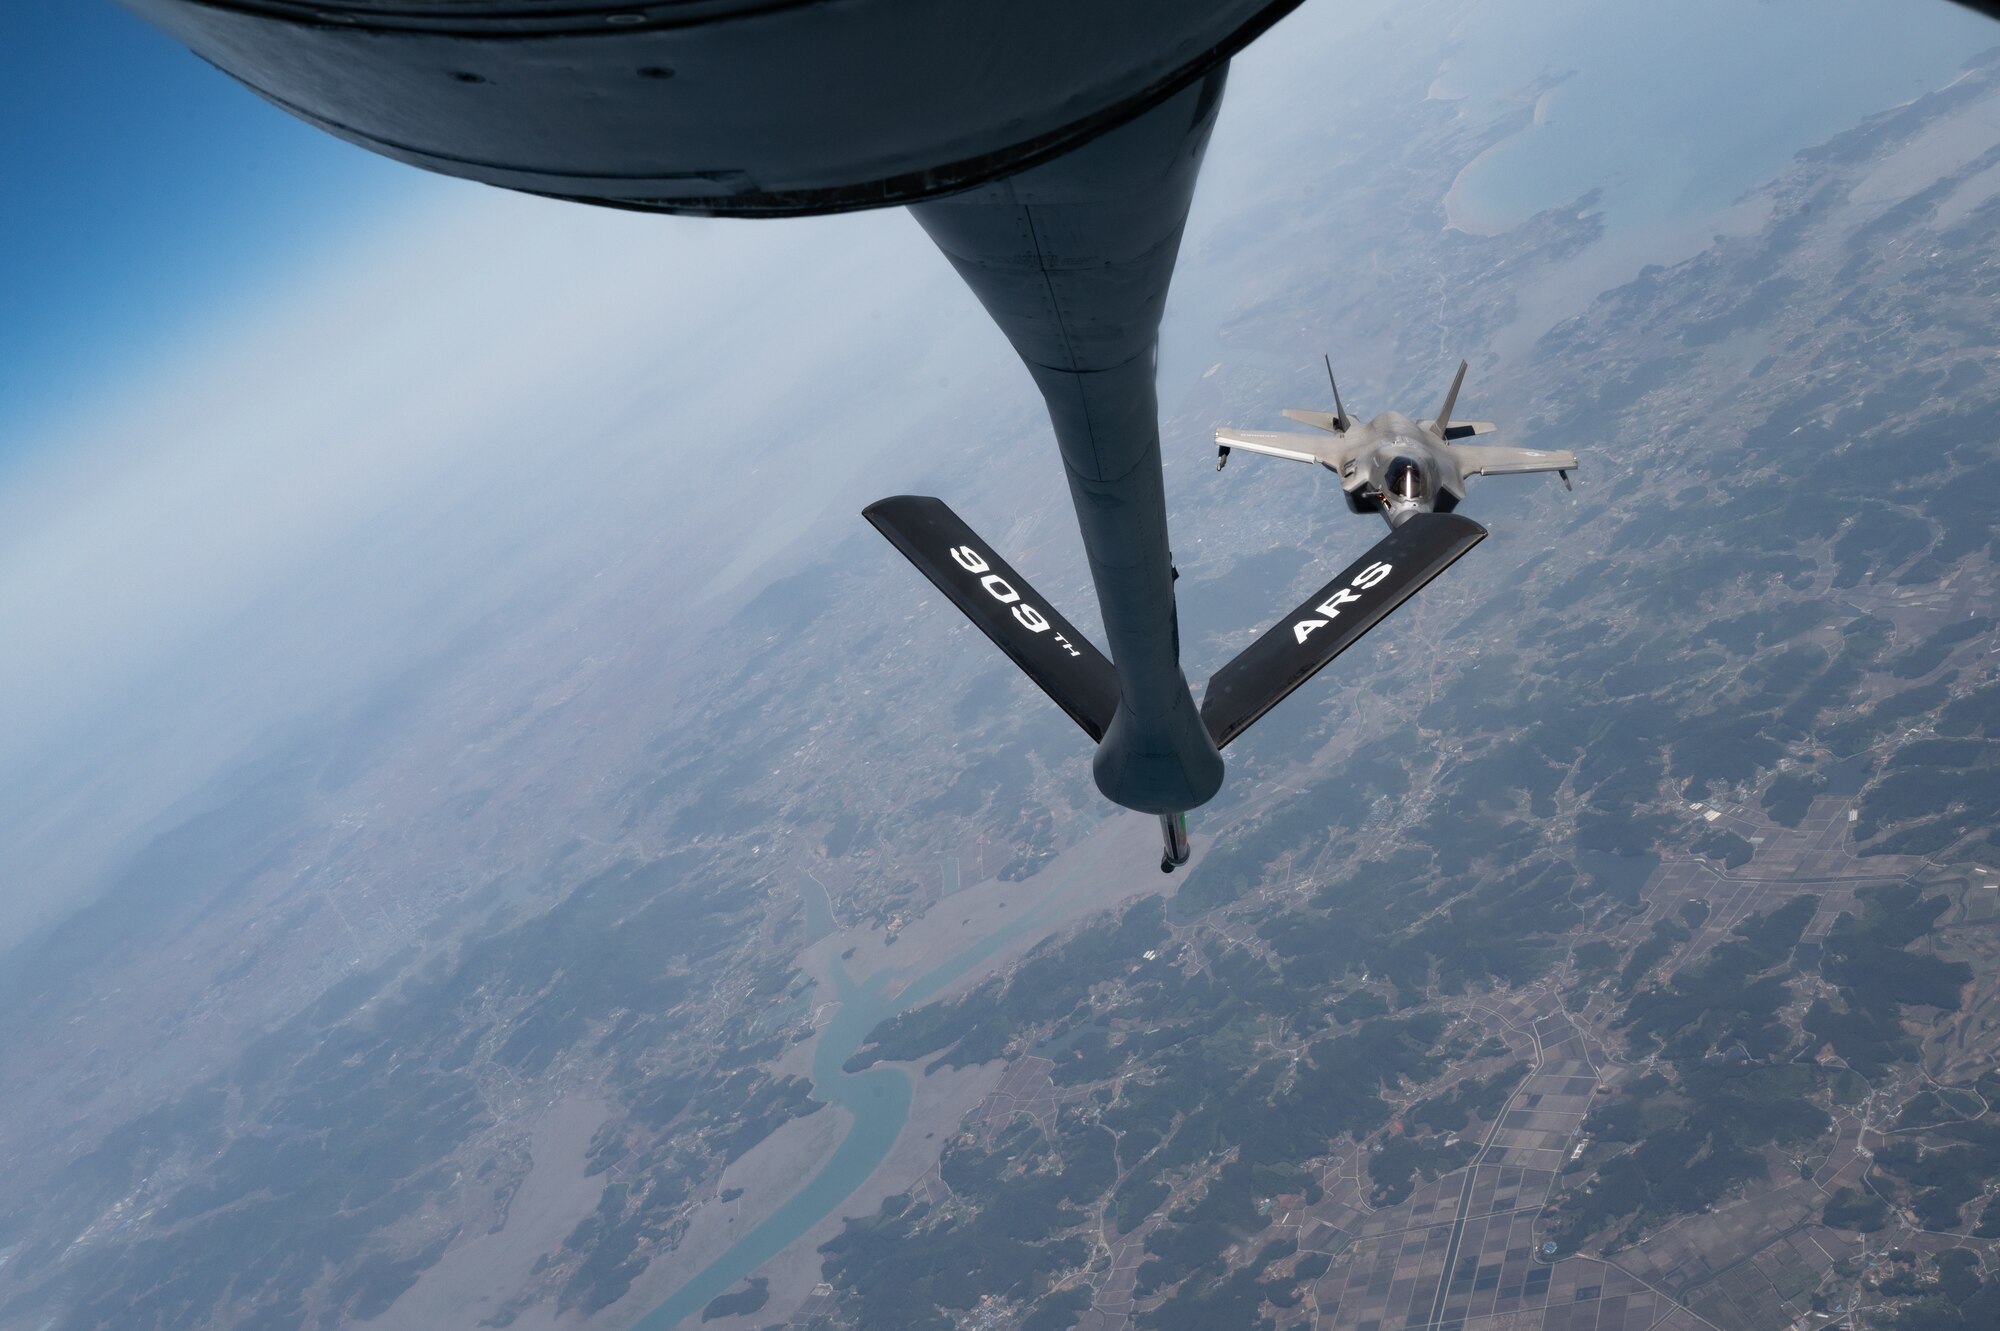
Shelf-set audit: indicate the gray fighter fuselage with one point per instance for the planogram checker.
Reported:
(1397, 467)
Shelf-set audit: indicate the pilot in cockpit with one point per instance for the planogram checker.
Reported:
(1404, 480)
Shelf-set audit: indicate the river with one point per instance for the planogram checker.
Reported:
(878, 1099)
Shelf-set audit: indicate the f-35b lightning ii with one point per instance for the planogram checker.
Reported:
(1393, 465)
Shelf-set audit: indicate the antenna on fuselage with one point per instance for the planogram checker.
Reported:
(1339, 412)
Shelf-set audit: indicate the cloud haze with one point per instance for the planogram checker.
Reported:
(483, 393)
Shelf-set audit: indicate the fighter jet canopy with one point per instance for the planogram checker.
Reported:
(1404, 478)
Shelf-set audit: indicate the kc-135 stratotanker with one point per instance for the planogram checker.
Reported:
(1412, 472)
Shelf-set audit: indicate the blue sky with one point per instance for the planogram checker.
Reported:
(144, 192)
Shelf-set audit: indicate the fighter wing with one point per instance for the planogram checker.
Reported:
(1487, 460)
(1319, 420)
(1283, 444)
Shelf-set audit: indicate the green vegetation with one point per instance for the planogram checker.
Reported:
(1728, 1002)
(1702, 649)
(1281, 830)
(841, 836)
(1470, 1099)
(1198, 1100)
(1720, 844)
(1960, 1300)
(1092, 1057)
(1695, 1141)
(1059, 1311)
(747, 1300)
(1137, 1198)
(1934, 793)
(1928, 655)
(1943, 1104)
(1790, 795)
(1400, 919)
(1938, 1175)
(1703, 1133)
(1958, 1274)
(1697, 646)
(1358, 1006)
(1192, 1240)
(1877, 977)
(1194, 1096)
(1209, 1295)
(904, 1267)
(1667, 934)
(1594, 962)
(1394, 1169)
(1231, 1301)
(1850, 1208)
(1977, 713)
(1887, 717)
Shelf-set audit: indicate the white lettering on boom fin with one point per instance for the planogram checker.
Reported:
(1371, 576)
(997, 587)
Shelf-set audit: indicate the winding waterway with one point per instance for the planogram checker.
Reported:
(878, 1099)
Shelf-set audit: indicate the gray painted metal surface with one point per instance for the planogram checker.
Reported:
(1073, 260)
(744, 107)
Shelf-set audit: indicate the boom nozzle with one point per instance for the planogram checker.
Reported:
(1174, 850)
